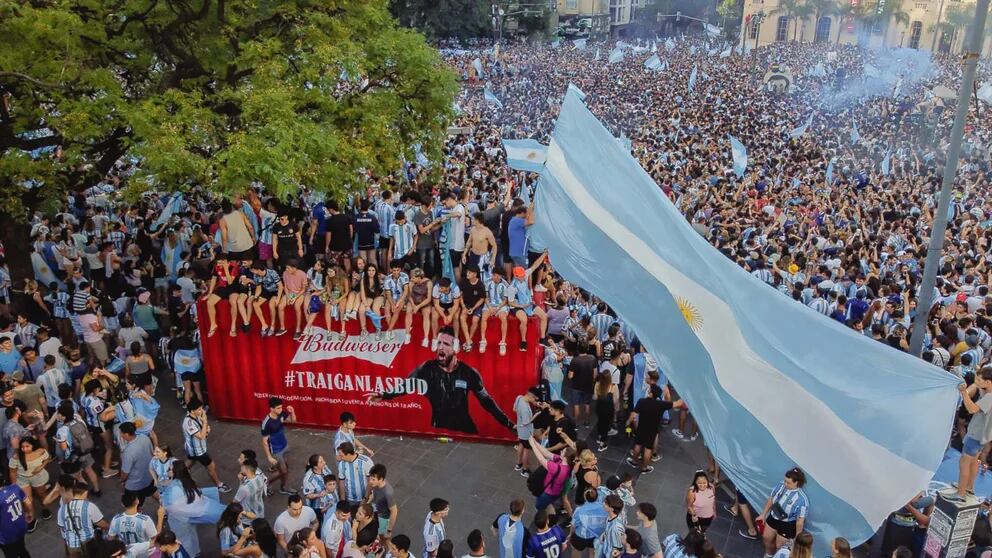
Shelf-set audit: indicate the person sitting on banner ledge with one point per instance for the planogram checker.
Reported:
(447, 301)
(449, 382)
(521, 299)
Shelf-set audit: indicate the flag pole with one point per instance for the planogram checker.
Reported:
(925, 297)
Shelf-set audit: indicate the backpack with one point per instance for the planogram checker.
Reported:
(535, 482)
(80, 440)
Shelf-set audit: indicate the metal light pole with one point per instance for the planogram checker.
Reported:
(971, 54)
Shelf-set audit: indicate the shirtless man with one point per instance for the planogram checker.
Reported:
(481, 246)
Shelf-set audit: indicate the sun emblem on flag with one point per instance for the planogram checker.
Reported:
(692, 316)
(532, 155)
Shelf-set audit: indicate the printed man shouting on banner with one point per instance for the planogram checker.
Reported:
(449, 382)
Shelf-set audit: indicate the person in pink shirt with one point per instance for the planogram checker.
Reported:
(554, 480)
(701, 502)
(294, 282)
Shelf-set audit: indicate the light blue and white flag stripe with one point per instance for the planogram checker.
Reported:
(653, 63)
(692, 78)
(669, 44)
(580, 44)
(477, 64)
(596, 58)
(771, 383)
(739, 153)
(830, 173)
(525, 154)
(173, 205)
(855, 136)
(801, 130)
(887, 162)
(616, 55)
(573, 89)
(491, 98)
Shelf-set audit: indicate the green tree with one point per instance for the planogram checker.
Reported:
(956, 19)
(462, 19)
(216, 93)
(730, 12)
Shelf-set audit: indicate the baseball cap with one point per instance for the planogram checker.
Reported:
(519, 272)
(962, 297)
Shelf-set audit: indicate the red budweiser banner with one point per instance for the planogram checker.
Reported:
(389, 385)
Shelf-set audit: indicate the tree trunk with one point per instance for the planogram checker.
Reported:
(15, 235)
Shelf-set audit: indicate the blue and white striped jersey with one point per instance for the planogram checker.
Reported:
(788, 505)
(313, 483)
(764, 276)
(672, 547)
(50, 381)
(194, 446)
(394, 285)
(355, 475)
(602, 322)
(77, 520)
(132, 529)
(495, 293)
(820, 305)
(251, 494)
(386, 215)
(612, 538)
(446, 297)
(162, 471)
(402, 236)
(341, 437)
(433, 535)
(93, 406)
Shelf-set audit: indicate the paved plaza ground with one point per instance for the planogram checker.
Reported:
(478, 479)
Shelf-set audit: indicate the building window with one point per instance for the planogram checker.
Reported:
(754, 29)
(571, 4)
(915, 31)
(823, 30)
(783, 28)
(921, 6)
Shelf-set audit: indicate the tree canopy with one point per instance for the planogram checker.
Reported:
(215, 93)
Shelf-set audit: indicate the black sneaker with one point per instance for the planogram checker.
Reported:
(286, 492)
(32, 526)
(743, 532)
(523, 346)
(46, 514)
(647, 469)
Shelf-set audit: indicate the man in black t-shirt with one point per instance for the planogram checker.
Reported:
(339, 237)
(287, 242)
(562, 425)
(473, 300)
(582, 375)
(647, 416)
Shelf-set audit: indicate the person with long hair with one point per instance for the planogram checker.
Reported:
(306, 544)
(335, 297)
(840, 548)
(371, 299)
(257, 541)
(222, 285)
(27, 470)
(785, 511)
(354, 296)
(315, 296)
(446, 549)
(691, 545)
(229, 527)
(800, 547)
(419, 302)
(607, 400)
(586, 474)
(189, 506)
(701, 502)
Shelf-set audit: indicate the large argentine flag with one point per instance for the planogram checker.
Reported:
(772, 383)
(526, 154)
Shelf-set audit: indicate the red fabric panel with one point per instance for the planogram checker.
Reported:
(244, 371)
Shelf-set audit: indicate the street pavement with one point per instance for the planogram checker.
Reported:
(477, 479)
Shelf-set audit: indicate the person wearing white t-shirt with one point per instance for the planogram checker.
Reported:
(296, 517)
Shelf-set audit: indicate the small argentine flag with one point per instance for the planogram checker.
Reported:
(477, 64)
(739, 153)
(616, 55)
(985, 93)
(692, 79)
(580, 44)
(669, 44)
(855, 136)
(491, 98)
(798, 132)
(578, 92)
(653, 63)
(525, 155)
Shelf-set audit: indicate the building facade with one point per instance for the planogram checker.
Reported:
(584, 18)
(931, 25)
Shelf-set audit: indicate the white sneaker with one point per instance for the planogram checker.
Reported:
(391, 336)
(502, 349)
(423, 343)
(467, 347)
(406, 338)
(434, 344)
(482, 347)
(457, 346)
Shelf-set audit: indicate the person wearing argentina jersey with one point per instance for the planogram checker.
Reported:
(131, 526)
(319, 491)
(784, 514)
(397, 288)
(251, 492)
(353, 474)
(78, 520)
(346, 433)
(610, 543)
(402, 239)
(385, 216)
(195, 432)
(496, 305)
(434, 526)
(447, 303)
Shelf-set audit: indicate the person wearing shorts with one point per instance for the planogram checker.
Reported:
(473, 303)
(447, 298)
(785, 511)
(268, 292)
(588, 521)
(195, 431)
(496, 305)
(979, 429)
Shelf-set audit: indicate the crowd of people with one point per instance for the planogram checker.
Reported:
(113, 308)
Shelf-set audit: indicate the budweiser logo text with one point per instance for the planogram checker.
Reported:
(322, 345)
